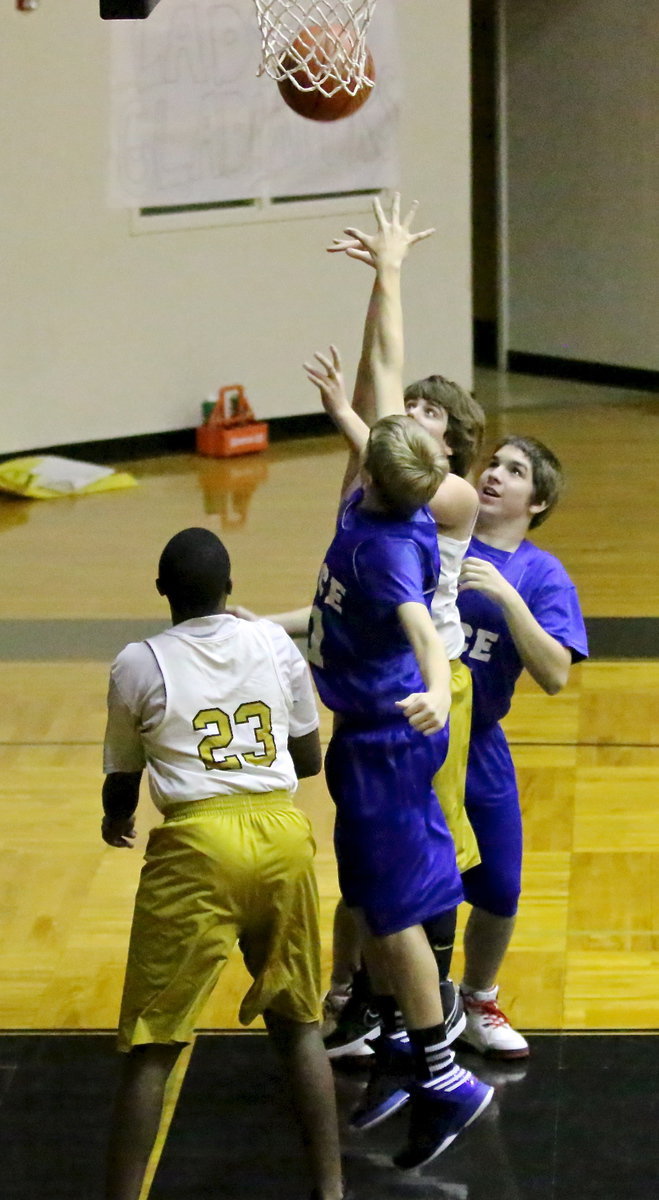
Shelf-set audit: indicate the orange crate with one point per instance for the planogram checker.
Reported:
(223, 442)
(231, 429)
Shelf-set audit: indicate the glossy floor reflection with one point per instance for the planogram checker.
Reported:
(578, 1121)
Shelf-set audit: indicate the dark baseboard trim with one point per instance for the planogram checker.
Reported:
(173, 441)
(613, 638)
(606, 374)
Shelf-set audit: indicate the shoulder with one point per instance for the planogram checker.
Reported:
(135, 658)
(454, 506)
(283, 646)
(134, 673)
(545, 566)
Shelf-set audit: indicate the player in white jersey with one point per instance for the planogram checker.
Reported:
(221, 714)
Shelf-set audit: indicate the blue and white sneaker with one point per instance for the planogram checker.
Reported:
(388, 1087)
(440, 1111)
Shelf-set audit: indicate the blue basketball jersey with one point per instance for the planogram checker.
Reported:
(490, 652)
(360, 657)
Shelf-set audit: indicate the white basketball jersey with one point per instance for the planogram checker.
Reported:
(226, 723)
(444, 607)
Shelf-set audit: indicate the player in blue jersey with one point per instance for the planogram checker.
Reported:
(456, 422)
(381, 667)
(519, 609)
(538, 625)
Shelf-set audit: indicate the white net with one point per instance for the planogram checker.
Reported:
(320, 45)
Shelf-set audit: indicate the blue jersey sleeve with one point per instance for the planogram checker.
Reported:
(490, 652)
(390, 572)
(555, 606)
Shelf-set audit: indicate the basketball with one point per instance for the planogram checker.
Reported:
(313, 62)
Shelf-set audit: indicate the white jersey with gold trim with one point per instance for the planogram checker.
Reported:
(213, 713)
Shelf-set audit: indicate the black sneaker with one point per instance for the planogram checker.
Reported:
(358, 1024)
(454, 1014)
(388, 1087)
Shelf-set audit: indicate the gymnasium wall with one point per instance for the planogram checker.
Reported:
(105, 333)
(583, 179)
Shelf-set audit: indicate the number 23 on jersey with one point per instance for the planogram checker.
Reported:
(220, 733)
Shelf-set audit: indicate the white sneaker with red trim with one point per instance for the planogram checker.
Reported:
(488, 1029)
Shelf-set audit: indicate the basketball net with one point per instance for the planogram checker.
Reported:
(297, 33)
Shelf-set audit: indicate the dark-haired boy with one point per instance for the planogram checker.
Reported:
(519, 609)
(221, 713)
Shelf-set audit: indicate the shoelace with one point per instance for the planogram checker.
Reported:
(489, 1010)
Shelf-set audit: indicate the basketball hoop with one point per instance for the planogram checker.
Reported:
(291, 31)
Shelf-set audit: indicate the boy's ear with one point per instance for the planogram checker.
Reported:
(229, 587)
(534, 509)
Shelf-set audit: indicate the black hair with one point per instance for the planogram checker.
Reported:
(194, 569)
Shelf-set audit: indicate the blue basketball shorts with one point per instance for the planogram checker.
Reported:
(395, 855)
(492, 803)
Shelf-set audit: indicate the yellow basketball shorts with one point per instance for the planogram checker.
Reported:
(217, 872)
(449, 782)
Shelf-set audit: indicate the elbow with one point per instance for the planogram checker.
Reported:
(556, 681)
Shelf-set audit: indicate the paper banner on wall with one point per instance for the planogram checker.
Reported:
(191, 122)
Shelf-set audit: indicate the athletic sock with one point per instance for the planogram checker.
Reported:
(433, 1059)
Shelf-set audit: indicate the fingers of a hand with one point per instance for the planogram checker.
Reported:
(378, 213)
(313, 373)
(361, 256)
(116, 837)
(343, 245)
(425, 722)
(420, 237)
(356, 236)
(336, 358)
(410, 215)
(413, 704)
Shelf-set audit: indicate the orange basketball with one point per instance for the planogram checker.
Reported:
(317, 45)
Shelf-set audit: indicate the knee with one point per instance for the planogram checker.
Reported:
(495, 892)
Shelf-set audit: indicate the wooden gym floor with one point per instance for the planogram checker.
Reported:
(77, 584)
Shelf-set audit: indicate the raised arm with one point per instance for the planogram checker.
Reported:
(379, 384)
(331, 386)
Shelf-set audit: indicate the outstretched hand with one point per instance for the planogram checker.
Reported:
(389, 245)
(329, 381)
